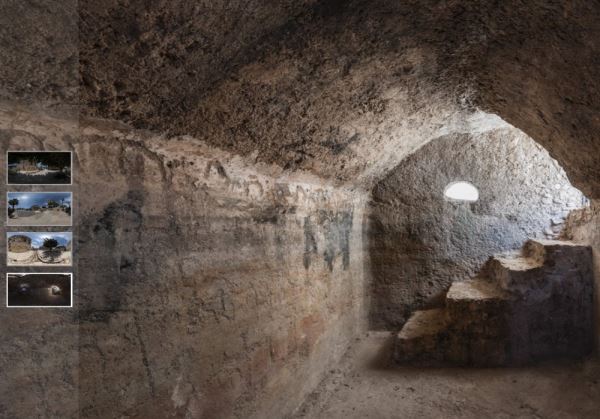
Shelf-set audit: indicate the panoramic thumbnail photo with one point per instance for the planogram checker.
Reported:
(39, 248)
(39, 208)
(38, 290)
(39, 168)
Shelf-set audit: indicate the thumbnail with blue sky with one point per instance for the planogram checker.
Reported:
(29, 199)
(37, 238)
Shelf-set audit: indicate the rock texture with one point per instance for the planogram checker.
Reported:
(357, 84)
(145, 62)
(534, 65)
(584, 226)
(420, 243)
(520, 309)
(39, 55)
(327, 93)
(343, 88)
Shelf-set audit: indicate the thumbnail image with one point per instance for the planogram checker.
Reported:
(39, 290)
(39, 249)
(39, 208)
(39, 167)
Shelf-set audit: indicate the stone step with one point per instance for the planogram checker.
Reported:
(421, 337)
(522, 308)
(540, 249)
(514, 273)
(475, 291)
(432, 338)
(424, 323)
(534, 249)
(476, 298)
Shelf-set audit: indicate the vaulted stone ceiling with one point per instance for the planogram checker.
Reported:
(343, 89)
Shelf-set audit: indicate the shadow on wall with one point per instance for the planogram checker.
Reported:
(337, 227)
(420, 242)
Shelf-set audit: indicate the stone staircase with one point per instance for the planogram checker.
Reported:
(521, 308)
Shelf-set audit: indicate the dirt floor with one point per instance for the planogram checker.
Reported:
(366, 386)
(39, 258)
(45, 218)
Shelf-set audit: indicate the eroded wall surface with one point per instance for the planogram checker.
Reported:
(584, 226)
(419, 242)
(204, 288)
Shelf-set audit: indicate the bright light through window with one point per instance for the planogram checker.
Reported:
(461, 191)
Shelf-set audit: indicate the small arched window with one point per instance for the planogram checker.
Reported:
(461, 191)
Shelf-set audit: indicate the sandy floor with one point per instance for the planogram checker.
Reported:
(46, 218)
(31, 259)
(366, 386)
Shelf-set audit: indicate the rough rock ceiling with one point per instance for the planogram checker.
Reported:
(38, 53)
(539, 70)
(344, 89)
(151, 60)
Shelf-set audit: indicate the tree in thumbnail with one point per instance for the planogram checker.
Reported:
(50, 243)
